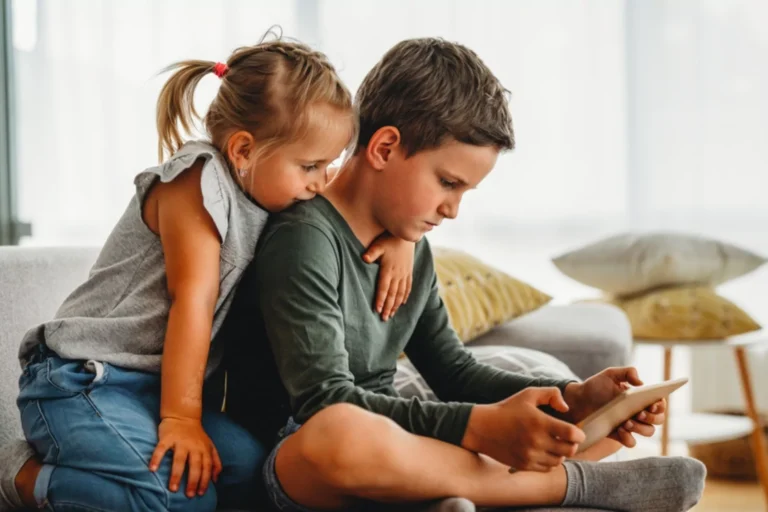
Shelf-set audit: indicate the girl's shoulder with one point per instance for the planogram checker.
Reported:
(201, 159)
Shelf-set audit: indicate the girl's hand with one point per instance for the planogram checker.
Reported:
(396, 274)
(190, 444)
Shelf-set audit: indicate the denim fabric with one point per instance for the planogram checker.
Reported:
(94, 427)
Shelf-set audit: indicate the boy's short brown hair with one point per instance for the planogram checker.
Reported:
(432, 90)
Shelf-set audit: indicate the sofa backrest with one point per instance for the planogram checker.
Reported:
(33, 283)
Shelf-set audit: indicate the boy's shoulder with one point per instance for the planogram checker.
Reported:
(307, 222)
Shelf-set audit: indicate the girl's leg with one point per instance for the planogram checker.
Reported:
(239, 485)
(95, 436)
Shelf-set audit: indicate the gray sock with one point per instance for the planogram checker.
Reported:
(653, 484)
(14, 455)
(452, 505)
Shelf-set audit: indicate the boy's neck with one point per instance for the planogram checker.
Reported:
(351, 193)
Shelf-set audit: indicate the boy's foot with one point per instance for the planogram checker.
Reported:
(653, 484)
(452, 505)
(14, 456)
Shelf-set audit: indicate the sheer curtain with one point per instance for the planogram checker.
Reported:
(628, 115)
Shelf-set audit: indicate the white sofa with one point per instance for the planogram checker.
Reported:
(34, 282)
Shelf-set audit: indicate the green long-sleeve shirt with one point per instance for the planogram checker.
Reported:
(315, 295)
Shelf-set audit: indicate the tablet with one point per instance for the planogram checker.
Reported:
(602, 422)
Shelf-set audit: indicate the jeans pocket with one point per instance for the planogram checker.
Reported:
(68, 377)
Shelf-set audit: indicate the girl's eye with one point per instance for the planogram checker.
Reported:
(310, 168)
(447, 184)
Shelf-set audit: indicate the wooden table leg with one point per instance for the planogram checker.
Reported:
(667, 376)
(759, 445)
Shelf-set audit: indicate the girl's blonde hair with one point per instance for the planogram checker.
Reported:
(266, 90)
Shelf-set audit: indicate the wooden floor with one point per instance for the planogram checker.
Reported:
(726, 496)
(719, 495)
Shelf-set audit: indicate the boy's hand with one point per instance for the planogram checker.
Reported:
(586, 397)
(516, 432)
(189, 443)
(396, 274)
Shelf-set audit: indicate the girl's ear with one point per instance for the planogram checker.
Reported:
(240, 147)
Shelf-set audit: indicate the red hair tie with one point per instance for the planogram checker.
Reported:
(220, 69)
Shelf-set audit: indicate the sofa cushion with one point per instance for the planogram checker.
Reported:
(33, 284)
(479, 297)
(684, 313)
(588, 337)
(633, 263)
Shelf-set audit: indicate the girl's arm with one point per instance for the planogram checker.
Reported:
(191, 248)
(396, 274)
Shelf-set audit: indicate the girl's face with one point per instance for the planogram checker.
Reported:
(298, 171)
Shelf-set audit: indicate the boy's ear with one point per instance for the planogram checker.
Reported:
(240, 147)
(383, 142)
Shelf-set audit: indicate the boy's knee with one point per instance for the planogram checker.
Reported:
(343, 440)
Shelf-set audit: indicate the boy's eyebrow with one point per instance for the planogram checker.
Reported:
(454, 177)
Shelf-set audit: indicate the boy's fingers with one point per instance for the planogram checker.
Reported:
(640, 428)
(565, 431)
(552, 397)
(627, 374)
(562, 448)
(177, 470)
(626, 438)
(195, 471)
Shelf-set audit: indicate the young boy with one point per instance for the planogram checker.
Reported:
(306, 343)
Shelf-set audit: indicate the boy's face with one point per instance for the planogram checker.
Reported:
(416, 194)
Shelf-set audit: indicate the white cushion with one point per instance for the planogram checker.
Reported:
(633, 263)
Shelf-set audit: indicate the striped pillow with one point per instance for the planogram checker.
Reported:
(479, 297)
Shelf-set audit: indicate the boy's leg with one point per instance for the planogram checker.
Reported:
(345, 454)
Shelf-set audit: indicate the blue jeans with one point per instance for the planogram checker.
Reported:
(95, 434)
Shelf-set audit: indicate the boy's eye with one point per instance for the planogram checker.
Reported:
(310, 168)
(447, 184)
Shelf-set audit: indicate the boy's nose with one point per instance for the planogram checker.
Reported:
(449, 210)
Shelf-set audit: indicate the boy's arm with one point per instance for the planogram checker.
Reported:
(450, 368)
(297, 276)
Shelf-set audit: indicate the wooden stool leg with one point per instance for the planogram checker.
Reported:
(759, 446)
(667, 376)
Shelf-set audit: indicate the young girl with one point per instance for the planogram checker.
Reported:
(119, 398)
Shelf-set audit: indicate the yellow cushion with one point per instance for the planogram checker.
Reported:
(479, 297)
(685, 313)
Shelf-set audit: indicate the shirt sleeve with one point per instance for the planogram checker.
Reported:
(450, 368)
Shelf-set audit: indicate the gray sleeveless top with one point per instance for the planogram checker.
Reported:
(119, 315)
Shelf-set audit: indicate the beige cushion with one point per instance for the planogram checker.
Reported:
(685, 313)
(627, 264)
(479, 297)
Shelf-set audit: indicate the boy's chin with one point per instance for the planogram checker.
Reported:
(409, 234)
